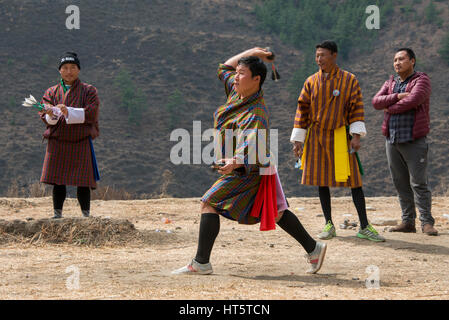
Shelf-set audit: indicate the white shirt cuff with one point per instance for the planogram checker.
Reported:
(51, 121)
(75, 115)
(357, 127)
(298, 134)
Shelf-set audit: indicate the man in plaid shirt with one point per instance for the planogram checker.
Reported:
(405, 100)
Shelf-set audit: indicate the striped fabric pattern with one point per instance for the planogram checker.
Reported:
(326, 104)
(68, 159)
(233, 195)
(68, 163)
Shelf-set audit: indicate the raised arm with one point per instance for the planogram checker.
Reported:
(226, 71)
(257, 52)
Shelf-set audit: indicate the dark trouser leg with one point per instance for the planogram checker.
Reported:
(59, 195)
(83, 195)
(401, 180)
(415, 155)
(325, 199)
(291, 224)
(359, 201)
(209, 229)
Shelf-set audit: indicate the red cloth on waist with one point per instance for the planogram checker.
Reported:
(265, 204)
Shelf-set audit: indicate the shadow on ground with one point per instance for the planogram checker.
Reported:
(399, 245)
(304, 281)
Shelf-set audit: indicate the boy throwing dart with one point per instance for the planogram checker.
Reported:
(243, 192)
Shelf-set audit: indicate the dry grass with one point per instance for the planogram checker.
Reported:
(32, 189)
(112, 193)
(35, 189)
(76, 231)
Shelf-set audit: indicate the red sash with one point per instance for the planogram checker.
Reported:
(265, 204)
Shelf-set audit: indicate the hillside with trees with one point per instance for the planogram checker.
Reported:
(154, 64)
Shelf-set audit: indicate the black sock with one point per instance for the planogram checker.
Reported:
(359, 201)
(291, 224)
(209, 229)
(83, 195)
(325, 199)
(59, 195)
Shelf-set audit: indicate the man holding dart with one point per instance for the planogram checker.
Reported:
(330, 111)
(70, 158)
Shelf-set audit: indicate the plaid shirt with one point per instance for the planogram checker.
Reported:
(401, 125)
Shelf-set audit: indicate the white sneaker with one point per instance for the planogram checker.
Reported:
(195, 268)
(316, 257)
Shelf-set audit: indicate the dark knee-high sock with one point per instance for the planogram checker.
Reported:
(359, 201)
(325, 199)
(291, 224)
(83, 195)
(209, 229)
(59, 195)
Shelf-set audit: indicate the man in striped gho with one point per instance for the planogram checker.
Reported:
(245, 192)
(70, 158)
(330, 103)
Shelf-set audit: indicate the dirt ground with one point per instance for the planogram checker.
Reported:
(248, 263)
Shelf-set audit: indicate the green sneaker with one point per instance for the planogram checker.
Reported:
(370, 233)
(328, 232)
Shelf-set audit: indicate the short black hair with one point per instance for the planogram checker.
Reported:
(329, 45)
(410, 53)
(256, 66)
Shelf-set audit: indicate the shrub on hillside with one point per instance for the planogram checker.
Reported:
(174, 106)
(132, 99)
(444, 51)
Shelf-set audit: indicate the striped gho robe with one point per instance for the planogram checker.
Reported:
(233, 195)
(326, 104)
(68, 160)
